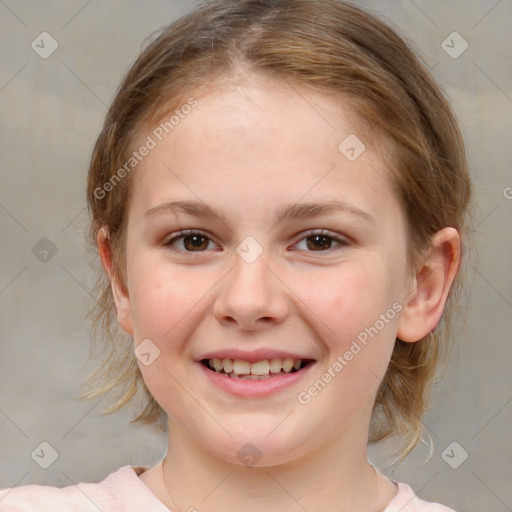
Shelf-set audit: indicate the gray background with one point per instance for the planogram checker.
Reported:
(51, 111)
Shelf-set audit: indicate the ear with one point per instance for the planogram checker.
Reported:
(121, 298)
(424, 305)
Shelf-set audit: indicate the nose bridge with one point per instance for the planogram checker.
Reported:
(250, 277)
(250, 292)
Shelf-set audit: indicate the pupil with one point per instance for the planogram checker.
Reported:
(324, 242)
(196, 242)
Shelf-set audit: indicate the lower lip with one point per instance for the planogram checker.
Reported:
(255, 388)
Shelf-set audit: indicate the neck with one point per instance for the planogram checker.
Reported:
(337, 476)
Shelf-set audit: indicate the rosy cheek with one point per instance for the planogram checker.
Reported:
(347, 297)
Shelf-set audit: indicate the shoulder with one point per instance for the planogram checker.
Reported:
(82, 497)
(407, 501)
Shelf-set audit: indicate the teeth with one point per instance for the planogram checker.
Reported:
(260, 368)
(275, 365)
(255, 371)
(288, 365)
(228, 365)
(241, 367)
(233, 375)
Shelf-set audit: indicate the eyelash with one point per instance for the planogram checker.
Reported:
(342, 242)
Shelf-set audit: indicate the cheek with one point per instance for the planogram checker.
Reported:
(166, 305)
(163, 299)
(350, 299)
(354, 317)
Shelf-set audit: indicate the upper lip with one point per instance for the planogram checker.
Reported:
(252, 355)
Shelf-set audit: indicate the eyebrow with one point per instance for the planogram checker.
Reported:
(291, 212)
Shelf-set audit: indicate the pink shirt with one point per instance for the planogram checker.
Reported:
(123, 491)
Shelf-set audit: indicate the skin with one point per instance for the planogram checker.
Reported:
(249, 149)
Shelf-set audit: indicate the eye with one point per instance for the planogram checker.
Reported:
(191, 241)
(321, 241)
(197, 241)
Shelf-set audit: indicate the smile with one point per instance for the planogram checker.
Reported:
(258, 370)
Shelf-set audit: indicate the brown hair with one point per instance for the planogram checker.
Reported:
(330, 45)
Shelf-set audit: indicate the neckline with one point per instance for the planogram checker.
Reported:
(147, 496)
(403, 495)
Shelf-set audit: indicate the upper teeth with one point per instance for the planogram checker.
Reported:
(257, 368)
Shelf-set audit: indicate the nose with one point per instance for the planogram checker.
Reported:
(252, 296)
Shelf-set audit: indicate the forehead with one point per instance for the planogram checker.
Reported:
(260, 142)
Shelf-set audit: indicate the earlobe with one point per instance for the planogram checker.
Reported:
(120, 295)
(424, 305)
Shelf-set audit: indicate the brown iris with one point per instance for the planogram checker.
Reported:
(195, 242)
(320, 242)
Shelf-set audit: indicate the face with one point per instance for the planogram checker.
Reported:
(258, 245)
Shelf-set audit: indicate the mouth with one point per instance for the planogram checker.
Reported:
(258, 370)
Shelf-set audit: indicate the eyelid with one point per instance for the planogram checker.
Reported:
(341, 240)
(186, 232)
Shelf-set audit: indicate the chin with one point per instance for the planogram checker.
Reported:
(255, 448)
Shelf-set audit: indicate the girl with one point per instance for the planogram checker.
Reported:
(278, 198)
